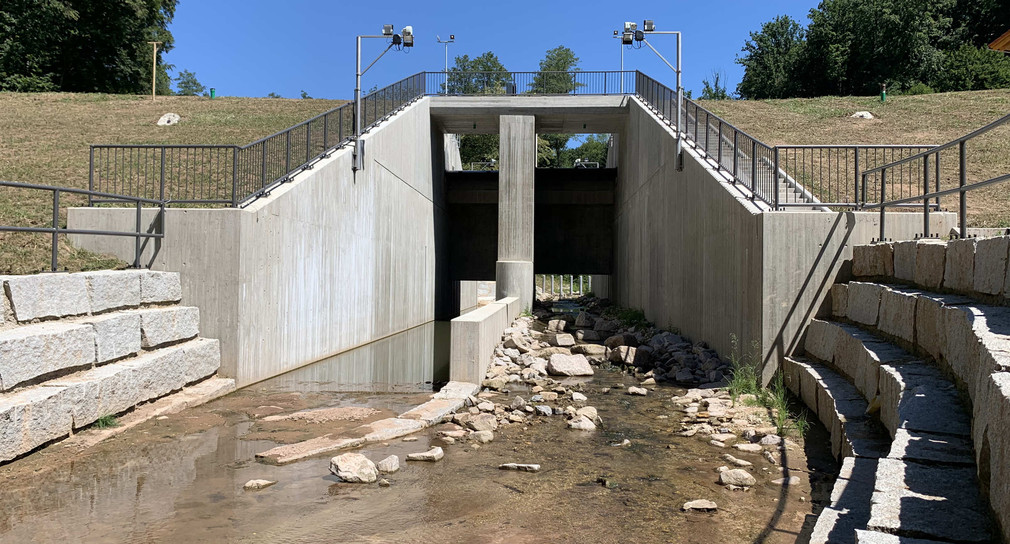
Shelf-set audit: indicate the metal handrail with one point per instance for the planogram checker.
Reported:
(530, 83)
(928, 157)
(55, 230)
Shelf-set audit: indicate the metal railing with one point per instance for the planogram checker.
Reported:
(548, 286)
(55, 230)
(926, 170)
(233, 175)
(457, 83)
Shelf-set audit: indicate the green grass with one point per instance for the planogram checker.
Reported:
(627, 317)
(746, 380)
(45, 137)
(106, 422)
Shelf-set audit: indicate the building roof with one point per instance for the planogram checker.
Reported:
(1002, 43)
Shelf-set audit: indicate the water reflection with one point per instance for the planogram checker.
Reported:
(410, 361)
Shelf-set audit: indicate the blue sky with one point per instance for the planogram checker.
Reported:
(254, 47)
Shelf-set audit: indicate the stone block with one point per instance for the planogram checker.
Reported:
(907, 496)
(897, 314)
(991, 265)
(959, 267)
(839, 300)
(961, 346)
(809, 379)
(47, 295)
(116, 335)
(35, 350)
(904, 260)
(991, 422)
(873, 260)
(875, 537)
(837, 526)
(930, 332)
(32, 417)
(859, 355)
(159, 326)
(113, 289)
(102, 391)
(931, 448)
(388, 429)
(201, 358)
(918, 398)
(160, 287)
(854, 485)
(820, 340)
(864, 302)
(929, 263)
(433, 411)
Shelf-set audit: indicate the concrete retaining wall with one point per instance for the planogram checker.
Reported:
(474, 336)
(329, 261)
(695, 255)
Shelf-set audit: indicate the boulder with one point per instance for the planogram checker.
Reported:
(584, 320)
(590, 350)
(569, 365)
(587, 336)
(483, 422)
(434, 454)
(354, 468)
(389, 464)
(700, 505)
(556, 325)
(169, 119)
(562, 340)
(582, 423)
(738, 477)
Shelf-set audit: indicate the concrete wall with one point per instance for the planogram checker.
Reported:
(688, 248)
(328, 262)
(474, 336)
(695, 255)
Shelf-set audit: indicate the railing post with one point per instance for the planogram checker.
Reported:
(883, 198)
(91, 176)
(736, 154)
(136, 239)
(234, 177)
(962, 181)
(937, 174)
(855, 189)
(753, 168)
(56, 229)
(161, 190)
(775, 176)
(925, 199)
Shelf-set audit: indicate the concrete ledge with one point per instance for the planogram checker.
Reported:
(31, 351)
(473, 338)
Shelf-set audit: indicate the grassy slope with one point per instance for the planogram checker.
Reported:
(925, 119)
(44, 139)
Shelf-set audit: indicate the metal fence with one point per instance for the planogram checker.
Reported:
(235, 175)
(458, 83)
(564, 285)
(55, 229)
(941, 171)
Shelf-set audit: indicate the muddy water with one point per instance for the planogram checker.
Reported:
(180, 479)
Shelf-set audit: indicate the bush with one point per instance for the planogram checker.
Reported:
(974, 69)
(917, 89)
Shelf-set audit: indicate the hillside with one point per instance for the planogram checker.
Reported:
(922, 119)
(44, 139)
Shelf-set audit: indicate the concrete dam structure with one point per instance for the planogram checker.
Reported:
(333, 259)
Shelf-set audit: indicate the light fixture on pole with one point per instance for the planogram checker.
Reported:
(633, 34)
(400, 41)
(452, 39)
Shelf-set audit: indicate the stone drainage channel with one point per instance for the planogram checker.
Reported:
(184, 477)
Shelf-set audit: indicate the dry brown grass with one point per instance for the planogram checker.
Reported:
(923, 119)
(44, 139)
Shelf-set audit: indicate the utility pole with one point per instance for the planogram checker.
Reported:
(154, 67)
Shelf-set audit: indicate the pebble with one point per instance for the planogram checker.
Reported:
(544, 410)
(353, 468)
(752, 448)
(637, 391)
(622, 444)
(738, 477)
(717, 443)
(792, 480)
(734, 461)
(410, 439)
(383, 483)
(486, 406)
(255, 485)
(649, 381)
(578, 397)
(582, 423)
(520, 467)
(700, 505)
(434, 454)
(482, 437)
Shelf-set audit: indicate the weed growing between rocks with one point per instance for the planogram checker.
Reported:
(745, 381)
(106, 422)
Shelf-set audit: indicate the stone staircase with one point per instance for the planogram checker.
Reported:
(910, 373)
(77, 347)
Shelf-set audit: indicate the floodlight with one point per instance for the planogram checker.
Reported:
(629, 26)
(452, 37)
(649, 25)
(616, 33)
(387, 30)
(639, 35)
(627, 38)
(408, 31)
(408, 41)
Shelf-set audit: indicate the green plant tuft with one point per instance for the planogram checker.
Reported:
(106, 422)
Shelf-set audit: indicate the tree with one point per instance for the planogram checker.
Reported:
(593, 148)
(82, 45)
(305, 95)
(482, 75)
(770, 59)
(274, 95)
(186, 84)
(714, 90)
(556, 77)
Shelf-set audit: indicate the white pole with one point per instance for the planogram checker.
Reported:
(680, 104)
(358, 159)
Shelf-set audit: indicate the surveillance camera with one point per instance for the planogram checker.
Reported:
(629, 26)
(408, 41)
(387, 30)
(649, 25)
(639, 35)
(408, 31)
(627, 38)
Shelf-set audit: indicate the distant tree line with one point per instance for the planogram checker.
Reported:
(851, 47)
(83, 45)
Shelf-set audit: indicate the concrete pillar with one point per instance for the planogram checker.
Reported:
(517, 161)
(600, 285)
